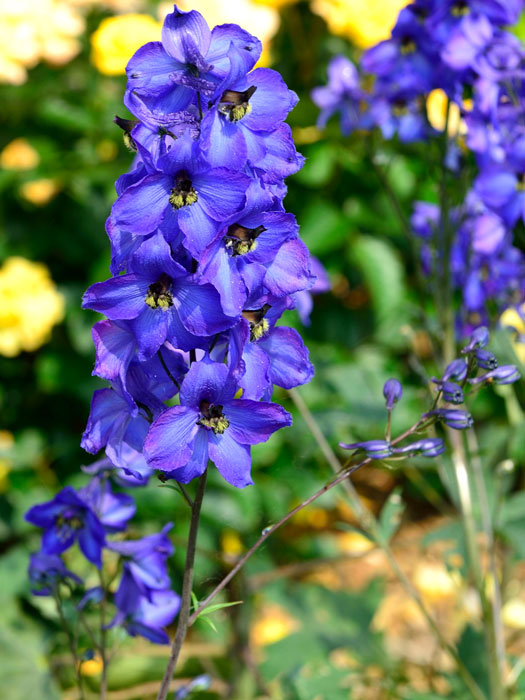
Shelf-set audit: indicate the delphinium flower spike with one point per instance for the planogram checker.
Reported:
(204, 263)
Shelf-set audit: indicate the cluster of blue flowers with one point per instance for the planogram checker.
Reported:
(477, 366)
(461, 48)
(205, 261)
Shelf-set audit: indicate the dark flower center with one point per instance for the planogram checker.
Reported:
(460, 9)
(236, 105)
(407, 45)
(399, 108)
(65, 525)
(159, 295)
(212, 417)
(241, 240)
(521, 182)
(183, 194)
(259, 326)
(127, 125)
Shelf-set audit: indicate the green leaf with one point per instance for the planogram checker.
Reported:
(323, 227)
(471, 649)
(217, 606)
(383, 273)
(320, 164)
(208, 621)
(23, 667)
(391, 514)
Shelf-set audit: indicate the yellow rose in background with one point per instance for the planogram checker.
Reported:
(32, 30)
(515, 320)
(19, 154)
(117, 38)
(39, 192)
(255, 18)
(275, 3)
(272, 624)
(365, 23)
(30, 306)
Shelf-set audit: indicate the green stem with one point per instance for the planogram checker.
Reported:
(187, 585)
(102, 647)
(492, 592)
(370, 524)
(71, 643)
(462, 468)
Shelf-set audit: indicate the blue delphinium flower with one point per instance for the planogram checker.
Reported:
(190, 59)
(343, 95)
(145, 603)
(211, 424)
(46, 571)
(68, 518)
(161, 301)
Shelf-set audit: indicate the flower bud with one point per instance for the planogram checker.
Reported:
(486, 359)
(479, 338)
(392, 391)
(375, 449)
(453, 417)
(457, 370)
(452, 393)
(428, 447)
(506, 374)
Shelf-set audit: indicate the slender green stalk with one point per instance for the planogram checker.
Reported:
(187, 585)
(71, 643)
(102, 646)
(370, 524)
(462, 468)
(493, 590)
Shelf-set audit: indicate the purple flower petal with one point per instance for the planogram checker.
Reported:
(186, 35)
(231, 459)
(252, 422)
(169, 443)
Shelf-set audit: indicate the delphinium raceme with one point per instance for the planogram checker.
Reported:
(464, 50)
(462, 54)
(204, 262)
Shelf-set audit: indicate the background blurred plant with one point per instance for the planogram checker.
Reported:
(319, 568)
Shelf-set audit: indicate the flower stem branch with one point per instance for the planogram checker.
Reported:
(187, 585)
(370, 524)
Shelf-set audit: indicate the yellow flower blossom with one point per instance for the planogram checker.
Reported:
(354, 543)
(435, 583)
(117, 38)
(39, 192)
(7, 440)
(35, 30)
(19, 155)
(365, 23)
(437, 113)
(275, 3)
(513, 614)
(5, 467)
(510, 318)
(261, 21)
(231, 543)
(106, 150)
(272, 624)
(30, 306)
(92, 667)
